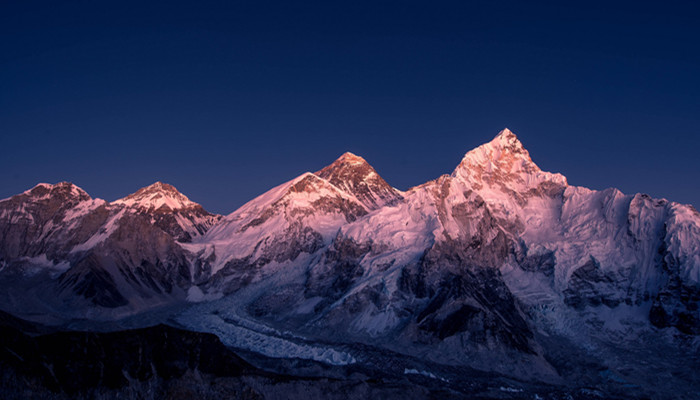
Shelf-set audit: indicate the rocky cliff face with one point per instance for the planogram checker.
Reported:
(498, 266)
(355, 176)
(64, 251)
(170, 210)
(474, 267)
(47, 221)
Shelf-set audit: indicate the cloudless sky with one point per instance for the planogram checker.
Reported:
(226, 99)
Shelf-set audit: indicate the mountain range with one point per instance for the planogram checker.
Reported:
(496, 272)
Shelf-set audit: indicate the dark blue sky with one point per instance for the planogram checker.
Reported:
(226, 99)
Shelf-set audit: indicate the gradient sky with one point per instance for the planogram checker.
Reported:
(227, 99)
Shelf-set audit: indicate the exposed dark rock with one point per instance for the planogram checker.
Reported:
(413, 280)
(541, 262)
(677, 305)
(339, 270)
(33, 223)
(88, 279)
(194, 217)
(287, 246)
(168, 222)
(590, 286)
(354, 175)
(479, 305)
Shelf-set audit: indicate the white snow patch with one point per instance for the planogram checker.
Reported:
(412, 371)
(509, 389)
(106, 231)
(42, 263)
(270, 217)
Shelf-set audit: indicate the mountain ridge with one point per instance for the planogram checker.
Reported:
(498, 266)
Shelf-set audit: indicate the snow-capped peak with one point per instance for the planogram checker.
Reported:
(506, 134)
(351, 158)
(505, 152)
(61, 189)
(509, 142)
(504, 162)
(158, 196)
(347, 160)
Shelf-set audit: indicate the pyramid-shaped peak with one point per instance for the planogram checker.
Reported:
(350, 158)
(504, 145)
(347, 167)
(507, 140)
(506, 134)
(505, 153)
(352, 174)
(159, 187)
(157, 196)
(503, 159)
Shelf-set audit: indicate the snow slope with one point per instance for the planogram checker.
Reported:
(299, 216)
(473, 267)
(498, 266)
